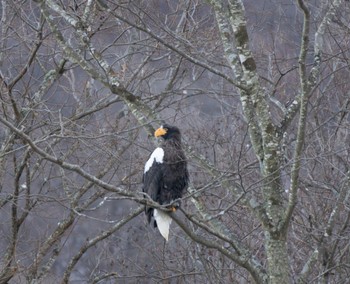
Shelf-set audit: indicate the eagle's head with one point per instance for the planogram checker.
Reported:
(167, 132)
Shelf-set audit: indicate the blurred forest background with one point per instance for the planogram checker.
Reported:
(260, 91)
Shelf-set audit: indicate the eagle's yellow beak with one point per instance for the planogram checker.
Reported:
(160, 132)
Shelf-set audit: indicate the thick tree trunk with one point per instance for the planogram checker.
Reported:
(277, 257)
(264, 135)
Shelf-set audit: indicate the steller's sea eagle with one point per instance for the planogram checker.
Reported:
(165, 176)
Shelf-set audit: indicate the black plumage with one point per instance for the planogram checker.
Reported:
(165, 176)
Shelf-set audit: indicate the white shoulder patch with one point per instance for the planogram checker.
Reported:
(163, 222)
(157, 155)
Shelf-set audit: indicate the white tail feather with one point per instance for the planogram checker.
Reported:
(163, 222)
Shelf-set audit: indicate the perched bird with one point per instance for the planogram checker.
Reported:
(165, 176)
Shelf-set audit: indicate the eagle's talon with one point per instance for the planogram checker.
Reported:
(173, 206)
